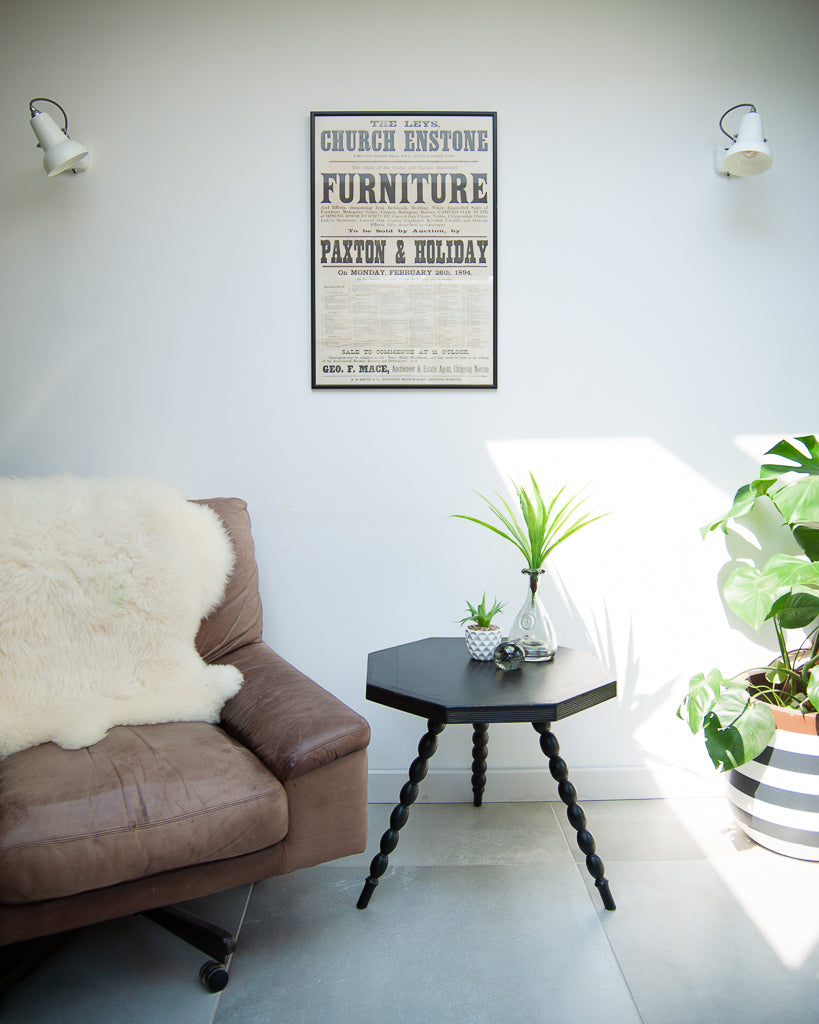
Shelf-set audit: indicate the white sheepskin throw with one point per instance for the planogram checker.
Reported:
(103, 584)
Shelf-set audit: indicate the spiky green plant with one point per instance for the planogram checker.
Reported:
(541, 526)
(482, 616)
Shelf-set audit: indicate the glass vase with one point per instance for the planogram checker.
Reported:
(532, 629)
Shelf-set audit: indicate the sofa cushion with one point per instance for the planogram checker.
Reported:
(291, 724)
(144, 800)
(238, 619)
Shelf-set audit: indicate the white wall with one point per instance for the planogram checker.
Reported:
(155, 319)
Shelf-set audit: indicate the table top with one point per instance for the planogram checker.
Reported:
(437, 679)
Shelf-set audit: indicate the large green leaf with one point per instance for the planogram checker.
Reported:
(797, 609)
(799, 462)
(797, 499)
(737, 729)
(744, 501)
(751, 593)
(813, 687)
(702, 695)
(794, 489)
(807, 537)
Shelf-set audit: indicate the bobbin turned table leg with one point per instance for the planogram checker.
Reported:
(398, 818)
(480, 745)
(574, 812)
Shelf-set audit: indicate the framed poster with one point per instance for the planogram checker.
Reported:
(404, 254)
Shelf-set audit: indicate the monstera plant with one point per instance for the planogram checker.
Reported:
(736, 715)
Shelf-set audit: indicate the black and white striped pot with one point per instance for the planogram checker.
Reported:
(775, 797)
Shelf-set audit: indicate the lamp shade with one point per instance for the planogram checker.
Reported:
(60, 153)
(750, 154)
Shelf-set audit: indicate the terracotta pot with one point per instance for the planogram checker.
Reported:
(775, 797)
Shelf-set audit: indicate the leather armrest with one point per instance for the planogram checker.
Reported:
(289, 722)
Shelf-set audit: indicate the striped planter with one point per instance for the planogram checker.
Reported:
(775, 797)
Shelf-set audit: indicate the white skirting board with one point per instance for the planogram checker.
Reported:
(513, 785)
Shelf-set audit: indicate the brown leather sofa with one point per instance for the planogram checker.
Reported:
(158, 814)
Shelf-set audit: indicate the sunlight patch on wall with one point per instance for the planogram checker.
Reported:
(640, 586)
(755, 445)
(646, 562)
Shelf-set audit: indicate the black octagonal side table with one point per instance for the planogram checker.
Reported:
(436, 679)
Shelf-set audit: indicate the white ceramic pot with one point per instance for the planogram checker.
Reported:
(481, 641)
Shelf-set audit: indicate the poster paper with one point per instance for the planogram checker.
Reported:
(404, 220)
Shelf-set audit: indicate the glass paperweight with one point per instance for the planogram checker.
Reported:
(508, 656)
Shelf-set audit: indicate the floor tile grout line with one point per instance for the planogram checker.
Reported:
(580, 868)
(560, 829)
(592, 895)
(622, 972)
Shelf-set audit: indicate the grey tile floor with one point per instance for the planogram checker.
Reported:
(485, 916)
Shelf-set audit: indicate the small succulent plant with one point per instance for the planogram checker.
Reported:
(482, 616)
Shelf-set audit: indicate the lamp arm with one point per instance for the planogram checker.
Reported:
(733, 138)
(45, 99)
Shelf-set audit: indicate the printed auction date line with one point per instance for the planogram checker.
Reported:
(401, 272)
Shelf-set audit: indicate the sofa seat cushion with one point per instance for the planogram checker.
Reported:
(144, 800)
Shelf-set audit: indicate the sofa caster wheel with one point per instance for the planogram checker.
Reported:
(214, 976)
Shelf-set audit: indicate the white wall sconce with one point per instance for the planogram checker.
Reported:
(749, 153)
(60, 151)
